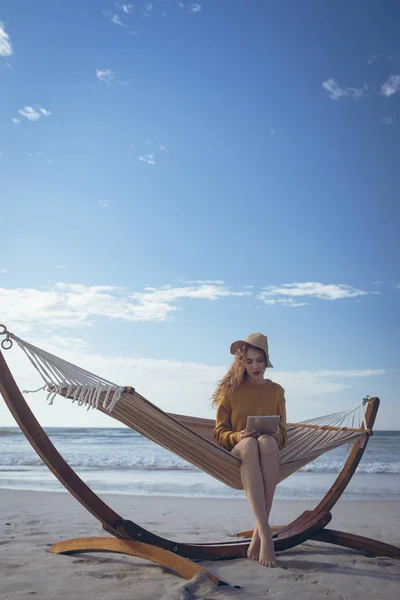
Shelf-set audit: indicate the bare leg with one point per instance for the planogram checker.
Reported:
(247, 450)
(269, 461)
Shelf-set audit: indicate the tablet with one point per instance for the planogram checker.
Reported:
(263, 425)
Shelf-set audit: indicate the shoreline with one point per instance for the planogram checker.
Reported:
(31, 521)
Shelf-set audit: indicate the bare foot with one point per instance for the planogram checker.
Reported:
(253, 553)
(267, 552)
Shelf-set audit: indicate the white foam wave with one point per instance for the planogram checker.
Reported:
(167, 462)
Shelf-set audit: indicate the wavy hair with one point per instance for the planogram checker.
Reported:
(235, 375)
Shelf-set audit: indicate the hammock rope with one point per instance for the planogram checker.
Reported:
(306, 440)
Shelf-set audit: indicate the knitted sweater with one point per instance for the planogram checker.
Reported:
(249, 399)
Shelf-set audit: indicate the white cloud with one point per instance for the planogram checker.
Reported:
(335, 91)
(33, 115)
(6, 48)
(391, 86)
(147, 158)
(16, 121)
(397, 286)
(150, 156)
(388, 120)
(126, 8)
(372, 59)
(115, 19)
(3, 271)
(147, 11)
(105, 203)
(61, 267)
(105, 75)
(195, 8)
(204, 281)
(67, 305)
(288, 292)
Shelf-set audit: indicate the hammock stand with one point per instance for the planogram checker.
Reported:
(130, 538)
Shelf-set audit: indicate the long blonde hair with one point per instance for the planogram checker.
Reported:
(235, 375)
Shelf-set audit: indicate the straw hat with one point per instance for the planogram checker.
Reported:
(254, 339)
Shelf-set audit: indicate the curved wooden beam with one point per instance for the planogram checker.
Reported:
(167, 559)
(357, 542)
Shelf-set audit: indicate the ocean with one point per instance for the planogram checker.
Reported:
(120, 461)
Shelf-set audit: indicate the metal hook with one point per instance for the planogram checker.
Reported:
(7, 343)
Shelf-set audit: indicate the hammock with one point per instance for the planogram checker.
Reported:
(188, 437)
(191, 438)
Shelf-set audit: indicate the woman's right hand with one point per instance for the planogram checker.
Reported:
(245, 434)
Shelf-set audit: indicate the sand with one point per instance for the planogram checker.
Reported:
(31, 521)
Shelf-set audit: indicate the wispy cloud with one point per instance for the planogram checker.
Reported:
(391, 86)
(290, 294)
(6, 48)
(3, 271)
(126, 8)
(335, 91)
(40, 156)
(104, 203)
(67, 305)
(33, 115)
(116, 19)
(388, 120)
(61, 267)
(397, 286)
(148, 11)
(150, 156)
(204, 281)
(191, 7)
(16, 121)
(105, 75)
(147, 158)
(372, 59)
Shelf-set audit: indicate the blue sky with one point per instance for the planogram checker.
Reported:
(176, 175)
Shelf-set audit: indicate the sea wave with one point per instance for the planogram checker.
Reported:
(148, 462)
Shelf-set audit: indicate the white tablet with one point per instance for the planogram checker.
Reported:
(263, 425)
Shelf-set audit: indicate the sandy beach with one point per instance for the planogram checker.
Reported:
(32, 521)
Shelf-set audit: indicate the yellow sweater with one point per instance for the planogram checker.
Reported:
(249, 399)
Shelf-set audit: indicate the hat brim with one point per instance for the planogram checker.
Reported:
(236, 345)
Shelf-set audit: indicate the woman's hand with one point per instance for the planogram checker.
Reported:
(245, 434)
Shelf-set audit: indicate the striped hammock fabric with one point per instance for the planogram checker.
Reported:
(188, 437)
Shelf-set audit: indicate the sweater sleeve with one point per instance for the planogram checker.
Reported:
(282, 436)
(223, 432)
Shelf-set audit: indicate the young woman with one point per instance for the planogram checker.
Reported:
(241, 393)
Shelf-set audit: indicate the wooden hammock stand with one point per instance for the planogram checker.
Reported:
(130, 538)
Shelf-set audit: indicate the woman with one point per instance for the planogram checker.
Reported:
(241, 393)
